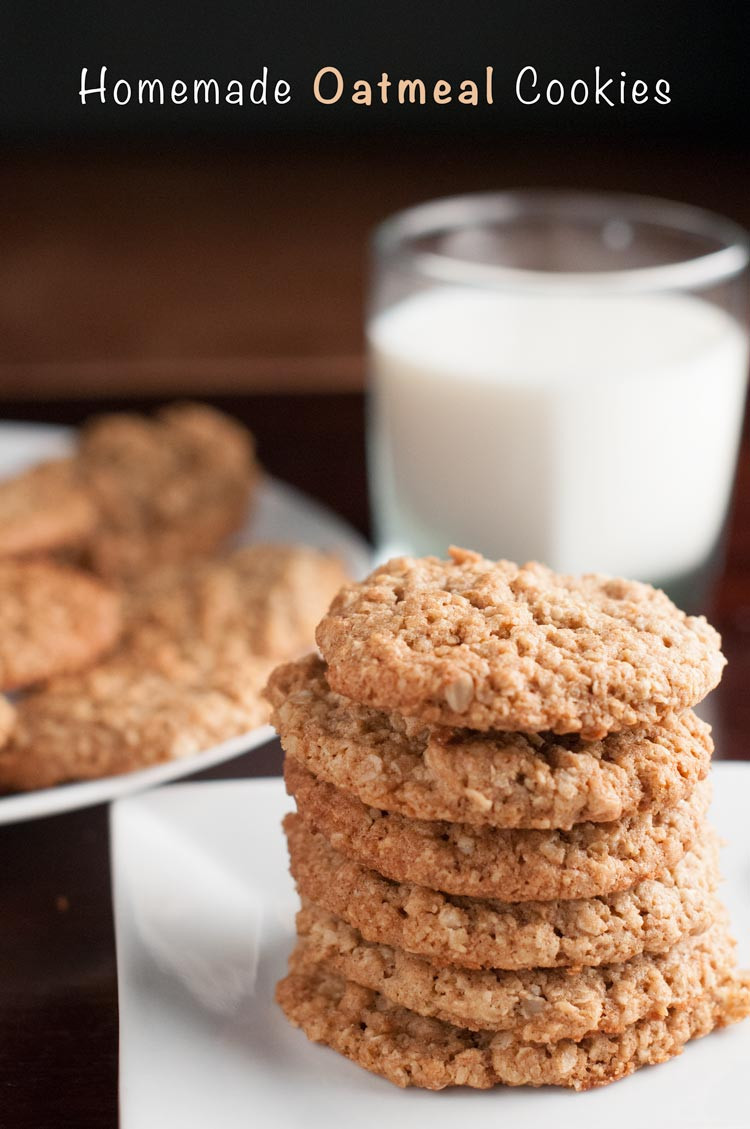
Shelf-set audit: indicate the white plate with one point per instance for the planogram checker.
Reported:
(204, 912)
(281, 513)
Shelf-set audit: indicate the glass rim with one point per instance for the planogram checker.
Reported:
(391, 239)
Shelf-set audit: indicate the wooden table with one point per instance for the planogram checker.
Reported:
(58, 986)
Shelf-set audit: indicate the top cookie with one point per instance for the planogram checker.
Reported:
(491, 645)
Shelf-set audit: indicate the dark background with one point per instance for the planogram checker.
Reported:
(169, 249)
(699, 47)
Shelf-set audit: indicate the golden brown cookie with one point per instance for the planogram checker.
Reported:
(488, 645)
(267, 596)
(120, 716)
(53, 619)
(44, 510)
(7, 720)
(494, 779)
(539, 1005)
(411, 1050)
(485, 862)
(166, 488)
(650, 917)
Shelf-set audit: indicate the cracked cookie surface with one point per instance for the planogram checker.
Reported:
(490, 645)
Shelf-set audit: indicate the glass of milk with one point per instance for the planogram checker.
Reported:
(561, 377)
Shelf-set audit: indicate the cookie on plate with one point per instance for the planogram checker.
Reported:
(486, 862)
(490, 645)
(7, 720)
(267, 596)
(412, 1050)
(120, 716)
(649, 917)
(538, 1005)
(44, 510)
(494, 779)
(53, 619)
(166, 488)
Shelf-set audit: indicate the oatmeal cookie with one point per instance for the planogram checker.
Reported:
(484, 862)
(269, 596)
(120, 716)
(650, 917)
(539, 1005)
(412, 1050)
(489, 645)
(494, 779)
(44, 510)
(53, 619)
(7, 720)
(166, 488)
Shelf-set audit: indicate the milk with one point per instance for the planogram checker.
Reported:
(591, 433)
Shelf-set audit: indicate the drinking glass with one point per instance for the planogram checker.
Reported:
(561, 377)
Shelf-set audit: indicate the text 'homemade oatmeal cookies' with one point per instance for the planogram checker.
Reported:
(501, 845)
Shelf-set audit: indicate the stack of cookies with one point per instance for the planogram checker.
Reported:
(501, 843)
